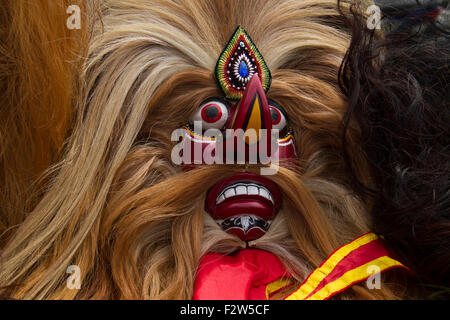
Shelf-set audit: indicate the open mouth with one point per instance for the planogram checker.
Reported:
(244, 204)
(244, 188)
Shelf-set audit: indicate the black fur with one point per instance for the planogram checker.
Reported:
(402, 106)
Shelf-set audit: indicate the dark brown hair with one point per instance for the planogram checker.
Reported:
(397, 88)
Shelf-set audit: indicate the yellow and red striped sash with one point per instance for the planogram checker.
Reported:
(345, 267)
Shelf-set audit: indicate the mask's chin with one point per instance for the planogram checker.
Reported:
(244, 205)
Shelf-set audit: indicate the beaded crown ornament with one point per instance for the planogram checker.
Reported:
(238, 63)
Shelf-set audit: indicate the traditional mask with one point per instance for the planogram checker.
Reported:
(243, 204)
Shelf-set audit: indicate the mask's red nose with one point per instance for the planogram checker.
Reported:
(252, 115)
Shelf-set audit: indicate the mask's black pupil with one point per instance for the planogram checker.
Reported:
(211, 112)
(274, 115)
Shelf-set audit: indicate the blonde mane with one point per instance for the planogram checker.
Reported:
(116, 206)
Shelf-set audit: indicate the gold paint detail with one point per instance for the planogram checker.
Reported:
(198, 136)
(254, 121)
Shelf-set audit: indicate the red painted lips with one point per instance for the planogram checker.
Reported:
(244, 204)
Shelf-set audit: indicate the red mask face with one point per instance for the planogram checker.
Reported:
(243, 204)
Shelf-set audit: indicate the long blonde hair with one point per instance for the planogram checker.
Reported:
(132, 221)
(38, 65)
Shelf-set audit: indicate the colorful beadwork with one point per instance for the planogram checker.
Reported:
(238, 63)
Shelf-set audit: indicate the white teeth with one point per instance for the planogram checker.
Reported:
(244, 188)
(229, 193)
(220, 199)
(252, 190)
(264, 193)
(241, 190)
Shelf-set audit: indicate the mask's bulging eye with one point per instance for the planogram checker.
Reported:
(278, 118)
(213, 114)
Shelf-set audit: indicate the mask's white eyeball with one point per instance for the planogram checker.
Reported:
(278, 119)
(213, 114)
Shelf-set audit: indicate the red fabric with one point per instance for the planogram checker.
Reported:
(241, 276)
(362, 255)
